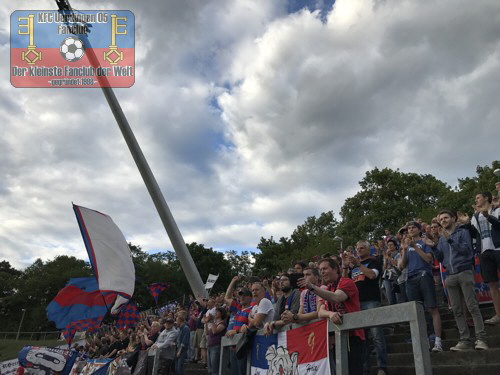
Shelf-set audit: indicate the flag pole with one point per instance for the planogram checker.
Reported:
(187, 263)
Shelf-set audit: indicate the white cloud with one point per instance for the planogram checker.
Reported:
(251, 119)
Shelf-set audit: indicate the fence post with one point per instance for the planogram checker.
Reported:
(224, 360)
(419, 341)
(341, 361)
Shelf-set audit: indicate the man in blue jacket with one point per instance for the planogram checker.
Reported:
(454, 250)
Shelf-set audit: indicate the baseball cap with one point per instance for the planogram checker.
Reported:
(245, 292)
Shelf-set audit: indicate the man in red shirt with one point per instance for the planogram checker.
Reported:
(339, 296)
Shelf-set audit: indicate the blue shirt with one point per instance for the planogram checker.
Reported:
(414, 262)
(183, 338)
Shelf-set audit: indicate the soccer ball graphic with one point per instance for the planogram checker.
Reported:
(72, 49)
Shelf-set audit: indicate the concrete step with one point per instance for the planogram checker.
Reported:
(472, 369)
(448, 358)
(447, 319)
(194, 369)
(448, 334)
(493, 342)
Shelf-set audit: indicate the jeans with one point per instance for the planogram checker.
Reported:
(190, 353)
(401, 296)
(389, 291)
(213, 359)
(461, 289)
(378, 337)
(179, 363)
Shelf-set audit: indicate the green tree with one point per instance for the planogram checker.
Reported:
(38, 285)
(241, 264)
(315, 237)
(388, 199)
(208, 261)
(9, 277)
(468, 187)
(273, 257)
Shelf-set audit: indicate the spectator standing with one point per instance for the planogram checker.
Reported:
(166, 345)
(200, 351)
(214, 337)
(262, 312)
(339, 296)
(497, 198)
(417, 256)
(182, 344)
(299, 266)
(487, 230)
(309, 303)
(193, 317)
(454, 250)
(366, 272)
(149, 338)
(391, 272)
(240, 309)
(288, 301)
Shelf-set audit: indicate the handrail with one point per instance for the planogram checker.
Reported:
(411, 312)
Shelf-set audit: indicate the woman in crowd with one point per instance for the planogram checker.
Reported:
(215, 334)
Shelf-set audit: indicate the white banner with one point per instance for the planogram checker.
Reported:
(9, 367)
(211, 281)
(109, 253)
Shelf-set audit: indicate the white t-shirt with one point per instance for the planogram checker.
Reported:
(211, 313)
(484, 226)
(264, 307)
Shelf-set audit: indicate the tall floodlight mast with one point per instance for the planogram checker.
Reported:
(187, 263)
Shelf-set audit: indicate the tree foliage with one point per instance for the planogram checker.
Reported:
(35, 287)
(315, 237)
(388, 199)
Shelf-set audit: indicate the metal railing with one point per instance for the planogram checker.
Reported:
(411, 312)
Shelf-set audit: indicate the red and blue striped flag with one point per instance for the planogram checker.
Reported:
(80, 306)
(156, 288)
(128, 316)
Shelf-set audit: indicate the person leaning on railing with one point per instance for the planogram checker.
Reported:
(339, 296)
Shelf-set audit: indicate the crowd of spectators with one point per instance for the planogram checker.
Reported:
(397, 268)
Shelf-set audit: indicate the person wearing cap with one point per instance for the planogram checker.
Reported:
(417, 256)
(166, 344)
(366, 271)
(240, 310)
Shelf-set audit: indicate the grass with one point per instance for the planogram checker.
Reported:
(10, 348)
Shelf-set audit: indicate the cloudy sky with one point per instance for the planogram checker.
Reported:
(253, 115)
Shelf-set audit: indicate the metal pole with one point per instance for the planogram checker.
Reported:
(187, 263)
(20, 324)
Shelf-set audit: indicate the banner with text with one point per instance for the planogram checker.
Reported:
(211, 279)
(90, 48)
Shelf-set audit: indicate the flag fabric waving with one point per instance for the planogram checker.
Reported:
(301, 351)
(128, 316)
(79, 305)
(156, 288)
(109, 254)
